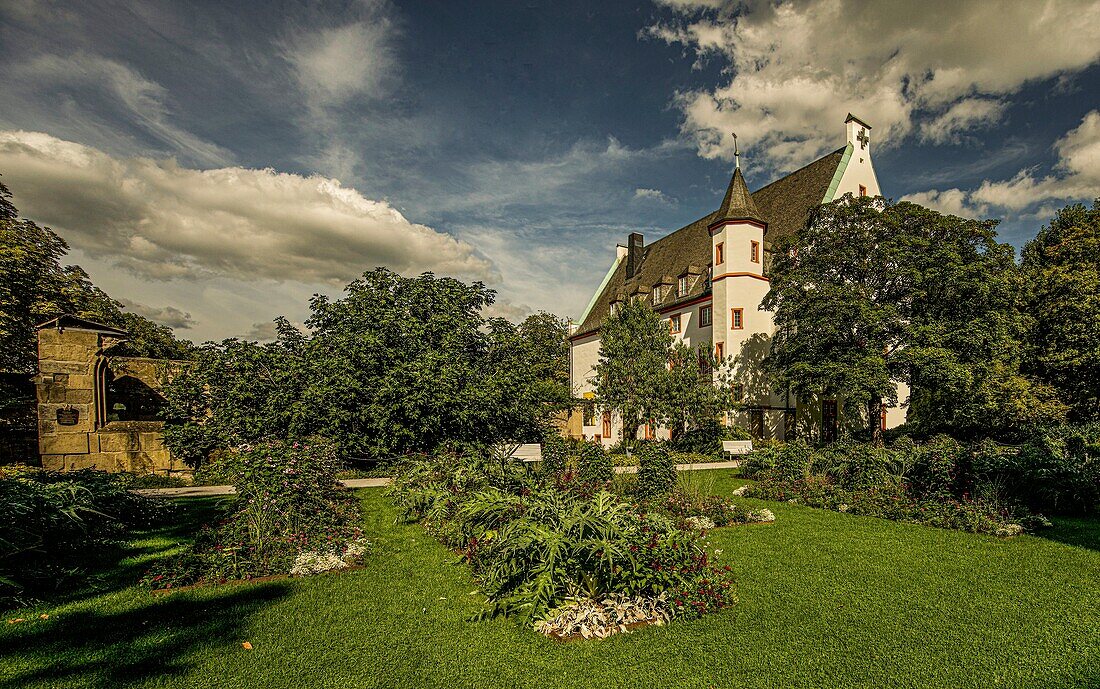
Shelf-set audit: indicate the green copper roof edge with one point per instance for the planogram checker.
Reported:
(600, 289)
(839, 173)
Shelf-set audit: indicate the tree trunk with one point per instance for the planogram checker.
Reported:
(874, 421)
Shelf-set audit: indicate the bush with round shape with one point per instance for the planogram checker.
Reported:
(656, 471)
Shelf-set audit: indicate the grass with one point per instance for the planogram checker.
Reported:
(827, 600)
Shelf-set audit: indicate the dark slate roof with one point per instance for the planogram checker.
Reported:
(737, 204)
(68, 320)
(784, 205)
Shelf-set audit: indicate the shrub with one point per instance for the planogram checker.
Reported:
(707, 439)
(1059, 469)
(594, 464)
(555, 455)
(533, 546)
(56, 526)
(656, 471)
(288, 504)
(941, 469)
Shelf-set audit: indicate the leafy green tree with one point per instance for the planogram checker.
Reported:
(1061, 268)
(871, 294)
(697, 390)
(396, 365)
(630, 374)
(837, 291)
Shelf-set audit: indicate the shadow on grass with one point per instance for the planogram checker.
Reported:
(117, 569)
(118, 648)
(1083, 532)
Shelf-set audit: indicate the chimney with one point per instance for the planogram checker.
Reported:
(634, 245)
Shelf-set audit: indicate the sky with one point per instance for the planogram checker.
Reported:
(214, 164)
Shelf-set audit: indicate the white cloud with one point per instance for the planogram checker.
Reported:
(160, 220)
(1075, 176)
(795, 70)
(967, 115)
(654, 195)
(165, 315)
(337, 63)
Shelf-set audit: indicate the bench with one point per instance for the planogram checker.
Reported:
(528, 452)
(736, 447)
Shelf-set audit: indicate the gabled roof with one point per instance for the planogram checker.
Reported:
(784, 205)
(738, 204)
(68, 320)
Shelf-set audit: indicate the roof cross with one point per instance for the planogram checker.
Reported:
(862, 138)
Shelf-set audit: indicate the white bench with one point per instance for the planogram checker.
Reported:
(736, 447)
(528, 452)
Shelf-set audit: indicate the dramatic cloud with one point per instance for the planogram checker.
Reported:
(160, 220)
(165, 315)
(795, 69)
(1076, 176)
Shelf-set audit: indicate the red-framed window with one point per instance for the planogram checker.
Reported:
(737, 319)
(754, 252)
(719, 253)
(720, 352)
(674, 324)
(706, 316)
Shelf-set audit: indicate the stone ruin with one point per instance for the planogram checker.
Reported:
(96, 410)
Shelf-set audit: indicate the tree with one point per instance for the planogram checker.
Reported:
(396, 365)
(837, 289)
(1061, 269)
(871, 294)
(646, 377)
(630, 378)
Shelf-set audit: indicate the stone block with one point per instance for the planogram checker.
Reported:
(117, 442)
(78, 396)
(151, 442)
(76, 462)
(81, 381)
(63, 444)
(53, 462)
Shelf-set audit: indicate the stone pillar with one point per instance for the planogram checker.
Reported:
(67, 386)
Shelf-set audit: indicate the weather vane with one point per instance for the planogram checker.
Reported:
(736, 153)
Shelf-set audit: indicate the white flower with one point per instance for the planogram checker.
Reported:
(842, 508)
(1009, 530)
(700, 523)
(741, 491)
(356, 549)
(315, 563)
(761, 515)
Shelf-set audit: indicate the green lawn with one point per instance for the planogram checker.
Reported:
(826, 600)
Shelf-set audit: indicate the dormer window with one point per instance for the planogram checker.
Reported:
(615, 306)
(657, 294)
(682, 286)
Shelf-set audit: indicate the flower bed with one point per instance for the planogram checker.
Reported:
(290, 517)
(537, 543)
(919, 484)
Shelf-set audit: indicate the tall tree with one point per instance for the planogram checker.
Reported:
(635, 344)
(837, 291)
(871, 294)
(1061, 267)
(697, 390)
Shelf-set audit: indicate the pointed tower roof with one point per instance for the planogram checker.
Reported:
(738, 203)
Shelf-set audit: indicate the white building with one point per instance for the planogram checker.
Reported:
(708, 280)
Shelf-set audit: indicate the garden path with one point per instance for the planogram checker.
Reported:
(206, 491)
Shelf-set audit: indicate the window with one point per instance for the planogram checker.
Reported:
(738, 392)
(882, 418)
(737, 319)
(862, 190)
(674, 324)
(607, 424)
(757, 420)
(615, 307)
(719, 254)
(719, 352)
(682, 286)
(648, 432)
(754, 252)
(657, 294)
(704, 316)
